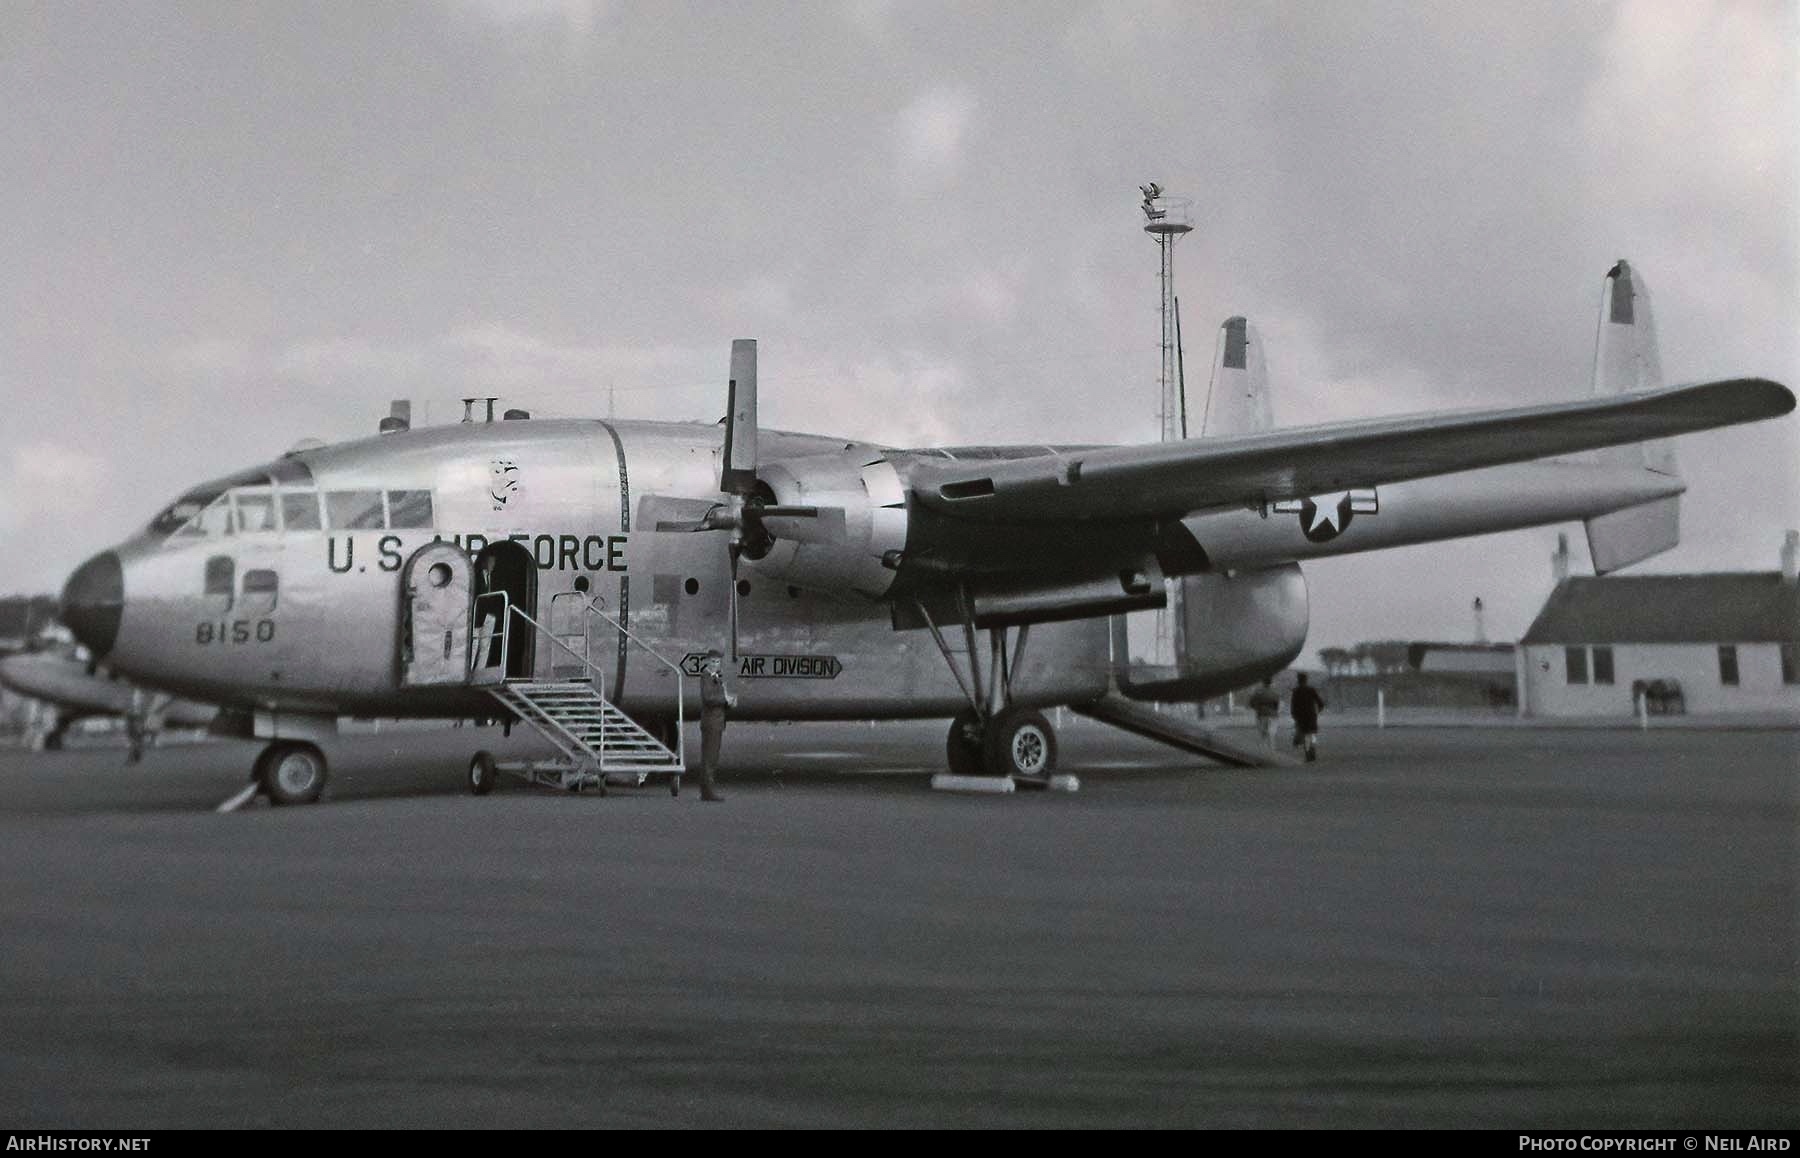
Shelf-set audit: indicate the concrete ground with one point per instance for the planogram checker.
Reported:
(1501, 928)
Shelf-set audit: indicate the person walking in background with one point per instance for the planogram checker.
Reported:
(1265, 701)
(1305, 706)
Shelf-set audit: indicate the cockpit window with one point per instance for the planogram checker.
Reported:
(353, 510)
(300, 510)
(213, 520)
(255, 511)
(409, 509)
(177, 513)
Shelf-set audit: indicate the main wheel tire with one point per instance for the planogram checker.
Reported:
(483, 774)
(1020, 743)
(962, 748)
(292, 772)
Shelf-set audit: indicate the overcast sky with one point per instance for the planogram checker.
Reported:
(224, 227)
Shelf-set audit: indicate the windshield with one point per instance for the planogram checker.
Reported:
(178, 513)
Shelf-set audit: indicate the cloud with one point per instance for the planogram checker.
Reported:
(576, 18)
(931, 133)
(51, 484)
(572, 27)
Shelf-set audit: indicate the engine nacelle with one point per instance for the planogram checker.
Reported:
(1236, 629)
(873, 501)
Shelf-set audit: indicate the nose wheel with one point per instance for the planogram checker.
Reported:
(291, 772)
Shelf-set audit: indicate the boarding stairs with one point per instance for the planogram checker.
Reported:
(596, 742)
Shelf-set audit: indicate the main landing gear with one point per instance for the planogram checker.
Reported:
(291, 772)
(993, 737)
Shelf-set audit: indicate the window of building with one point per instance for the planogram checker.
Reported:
(409, 509)
(1603, 665)
(1790, 663)
(1576, 660)
(1728, 667)
(353, 510)
(300, 510)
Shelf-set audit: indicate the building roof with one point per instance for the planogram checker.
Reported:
(1729, 607)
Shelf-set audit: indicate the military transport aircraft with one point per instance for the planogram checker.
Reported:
(73, 691)
(572, 574)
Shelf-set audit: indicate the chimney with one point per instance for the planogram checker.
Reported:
(1559, 562)
(1480, 610)
(1790, 559)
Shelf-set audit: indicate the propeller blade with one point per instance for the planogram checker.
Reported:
(815, 525)
(735, 549)
(701, 525)
(737, 468)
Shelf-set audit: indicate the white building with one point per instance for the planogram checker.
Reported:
(1719, 643)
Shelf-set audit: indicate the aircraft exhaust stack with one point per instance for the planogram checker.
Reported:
(399, 417)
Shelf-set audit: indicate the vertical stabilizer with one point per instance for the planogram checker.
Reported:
(1626, 360)
(1237, 399)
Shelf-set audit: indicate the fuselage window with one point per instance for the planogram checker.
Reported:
(300, 510)
(221, 573)
(261, 582)
(353, 510)
(409, 509)
(255, 512)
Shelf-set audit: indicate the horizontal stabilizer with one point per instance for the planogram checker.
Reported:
(1634, 534)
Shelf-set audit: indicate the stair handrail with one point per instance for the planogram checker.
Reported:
(595, 608)
(599, 677)
(505, 623)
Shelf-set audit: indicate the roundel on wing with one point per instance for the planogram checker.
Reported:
(1324, 518)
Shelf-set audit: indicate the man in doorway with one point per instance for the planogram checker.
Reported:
(1265, 701)
(1305, 707)
(715, 700)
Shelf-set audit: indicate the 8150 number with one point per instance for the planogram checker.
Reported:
(234, 631)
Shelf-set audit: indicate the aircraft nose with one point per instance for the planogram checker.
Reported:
(93, 601)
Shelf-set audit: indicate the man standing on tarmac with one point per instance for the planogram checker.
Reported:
(1265, 701)
(1305, 707)
(715, 700)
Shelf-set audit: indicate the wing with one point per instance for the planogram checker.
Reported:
(1175, 478)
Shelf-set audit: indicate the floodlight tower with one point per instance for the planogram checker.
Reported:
(1166, 219)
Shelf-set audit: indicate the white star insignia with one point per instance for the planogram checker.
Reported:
(1325, 510)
